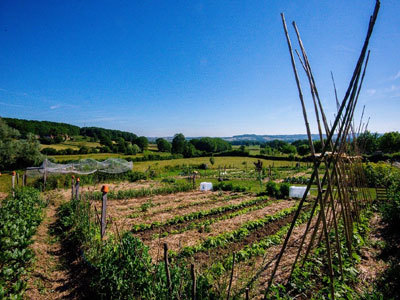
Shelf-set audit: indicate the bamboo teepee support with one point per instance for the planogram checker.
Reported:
(343, 181)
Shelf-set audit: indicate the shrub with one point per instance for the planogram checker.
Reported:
(229, 186)
(284, 190)
(272, 189)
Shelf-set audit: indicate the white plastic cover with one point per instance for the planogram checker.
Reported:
(297, 191)
(84, 166)
(206, 186)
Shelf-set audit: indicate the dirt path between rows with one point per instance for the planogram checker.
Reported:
(54, 271)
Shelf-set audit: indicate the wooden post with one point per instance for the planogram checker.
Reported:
(72, 186)
(247, 294)
(13, 180)
(77, 189)
(24, 179)
(167, 270)
(230, 281)
(17, 179)
(45, 174)
(194, 281)
(13, 183)
(104, 189)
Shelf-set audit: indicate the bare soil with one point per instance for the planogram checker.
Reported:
(173, 204)
(148, 234)
(193, 237)
(371, 266)
(56, 274)
(260, 268)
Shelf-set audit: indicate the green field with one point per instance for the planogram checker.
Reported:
(75, 144)
(228, 161)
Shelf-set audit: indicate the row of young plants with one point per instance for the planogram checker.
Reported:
(225, 238)
(143, 192)
(204, 225)
(259, 248)
(19, 217)
(181, 206)
(387, 285)
(297, 180)
(311, 279)
(120, 267)
(149, 204)
(196, 215)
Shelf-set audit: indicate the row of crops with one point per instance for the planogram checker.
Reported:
(20, 215)
(115, 262)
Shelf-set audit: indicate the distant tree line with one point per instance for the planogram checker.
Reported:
(370, 143)
(48, 132)
(198, 147)
(116, 141)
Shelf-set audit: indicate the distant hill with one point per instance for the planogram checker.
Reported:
(46, 128)
(266, 138)
(255, 138)
(50, 132)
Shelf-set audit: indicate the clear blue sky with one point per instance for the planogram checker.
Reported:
(214, 68)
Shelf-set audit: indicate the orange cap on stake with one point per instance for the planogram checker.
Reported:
(104, 188)
(73, 176)
(78, 179)
(13, 173)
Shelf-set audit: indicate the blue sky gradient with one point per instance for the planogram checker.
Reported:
(203, 68)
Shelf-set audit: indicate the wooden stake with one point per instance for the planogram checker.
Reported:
(167, 270)
(231, 279)
(77, 189)
(72, 186)
(13, 183)
(103, 214)
(193, 281)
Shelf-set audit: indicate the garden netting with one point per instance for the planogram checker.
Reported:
(83, 166)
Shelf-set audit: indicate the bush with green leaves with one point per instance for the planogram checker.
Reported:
(272, 189)
(276, 190)
(228, 186)
(284, 190)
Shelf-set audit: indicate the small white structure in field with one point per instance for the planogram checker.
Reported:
(297, 191)
(206, 186)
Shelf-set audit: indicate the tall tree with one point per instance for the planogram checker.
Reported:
(163, 145)
(178, 143)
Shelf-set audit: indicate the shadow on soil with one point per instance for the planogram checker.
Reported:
(78, 284)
